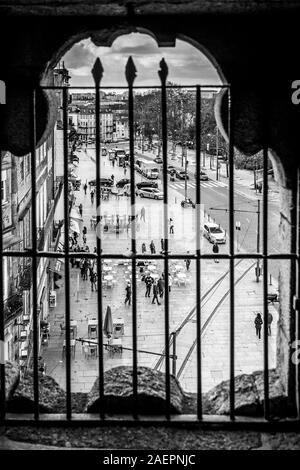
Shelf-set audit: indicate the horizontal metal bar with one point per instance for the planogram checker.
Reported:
(49, 254)
(144, 87)
(208, 421)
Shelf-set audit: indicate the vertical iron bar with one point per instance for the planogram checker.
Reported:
(297, 312)
(265, 258)
(2, 320)
(67, 258)
(34, 254)
(198, 250)
(99, 254)
(133, 241)
(163, 76)
(231, 246)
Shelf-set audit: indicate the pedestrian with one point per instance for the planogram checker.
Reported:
(80, 209)
(128, 293)
(155, 293)
(258, 322)
(85, 188)
(148, 281)
(216, 250)
(144, 248)
(270, 319)
(113, 162)
(112, 178)
(187, 263)
(162, 245)
(143, 213)
(170, 282)
(171, 231)
(92, 196)
(93, 279)
(85, 271)
(95, 250)
(161, 285)
(152, 248)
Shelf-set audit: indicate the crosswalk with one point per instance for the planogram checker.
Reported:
(203, 184)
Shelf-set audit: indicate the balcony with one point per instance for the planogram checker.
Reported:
(25, 277)
(13, 307)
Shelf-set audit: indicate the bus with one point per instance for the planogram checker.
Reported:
(147, 169)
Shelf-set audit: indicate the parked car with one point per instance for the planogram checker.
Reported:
(104, 152)
(122, 182)
(181, 174)
(214, 233)
(75, 158)
(171, 169)
(158, 159)
(146, 184)
(103, 182)
(152, 193)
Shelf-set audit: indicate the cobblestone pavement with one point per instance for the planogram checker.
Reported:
(150, 318)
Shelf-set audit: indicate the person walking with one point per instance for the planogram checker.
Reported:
(144, 248)
(85, 188)
(171, 231)
(258, 322)
(112, 178)
(216, 250)
(93, 279)
(113, 163)
(161, 286)
(270, 319)
(152, 248)
(155, 293)
(187, 263)
(80, 209)
(148, 281)
(92, 196)
(143, 213)
(128, 294)
(162, 243)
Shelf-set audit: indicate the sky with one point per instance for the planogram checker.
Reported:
(187, 65)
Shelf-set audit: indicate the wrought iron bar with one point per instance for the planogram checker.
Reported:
(198, 251)
(34, 253)
(231, 246)
(2, 320)
(130, 77)
(265, 257)
(97, 73)
(163, 73)
(67, 258)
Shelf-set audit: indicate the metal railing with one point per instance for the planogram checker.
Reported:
(198, 256)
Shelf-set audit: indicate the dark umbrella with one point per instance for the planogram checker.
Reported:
(108, 323)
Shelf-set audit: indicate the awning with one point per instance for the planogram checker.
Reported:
(55, 265)
(74, 214)
(74, 226)
(10, 240)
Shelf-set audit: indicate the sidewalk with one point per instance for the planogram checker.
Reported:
(150, 318)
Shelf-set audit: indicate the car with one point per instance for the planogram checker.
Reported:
(104, 152)
(146, 184)
(214, 233)
(203, 176)
(181, 174)
(75, 158)
(171, 169)
(158, 159)
(122, 182)
(152, 193)
(103, 182)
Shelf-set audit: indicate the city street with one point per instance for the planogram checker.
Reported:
(150, 317)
